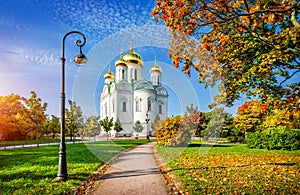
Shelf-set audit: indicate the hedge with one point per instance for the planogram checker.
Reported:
(274, 139)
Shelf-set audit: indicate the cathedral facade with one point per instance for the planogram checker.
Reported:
(127, 96)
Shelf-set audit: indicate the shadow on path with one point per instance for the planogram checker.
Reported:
(134, 173)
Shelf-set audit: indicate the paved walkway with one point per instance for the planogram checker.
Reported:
(134, 172)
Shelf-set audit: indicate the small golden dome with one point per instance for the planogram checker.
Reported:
(132, 57)
(121, 61)
(109, 75)
(155, 67)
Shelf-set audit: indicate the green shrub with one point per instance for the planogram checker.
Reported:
(173, 132)
(274, 139)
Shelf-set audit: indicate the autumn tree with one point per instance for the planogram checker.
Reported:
(284, 113)
(92, 126)
(172, 132)
(11, 114)
(35, 114)
(192, 120)
(74, 119)
(21, 118)
(250, 115)
(245, 47)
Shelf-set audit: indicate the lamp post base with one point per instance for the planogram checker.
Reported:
(62, 178)
(62, 166)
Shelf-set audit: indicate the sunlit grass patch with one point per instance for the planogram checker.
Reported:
(235, 169)
(34, 170)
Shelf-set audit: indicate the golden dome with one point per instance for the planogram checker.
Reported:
(132, 57)
(155, 67)
(121, 61)
(109, 75)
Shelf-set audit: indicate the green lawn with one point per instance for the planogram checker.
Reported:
(234, 169)
(40, 141)
(34, 170)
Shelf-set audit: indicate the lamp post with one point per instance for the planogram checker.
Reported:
(79, 59)
(147, 120)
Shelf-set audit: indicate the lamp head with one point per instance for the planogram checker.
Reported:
(80, 59)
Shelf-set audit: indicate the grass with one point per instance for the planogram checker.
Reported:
(234, 169)
(34, 170)
(40, 141)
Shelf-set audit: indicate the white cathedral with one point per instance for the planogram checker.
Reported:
(127, 96)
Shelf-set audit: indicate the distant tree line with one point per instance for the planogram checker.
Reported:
(24, 118)
(20, 117)
(252, 116)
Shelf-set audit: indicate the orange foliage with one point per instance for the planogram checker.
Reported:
(250, 115)
(18, 116)
(253, 107)
(244, 46)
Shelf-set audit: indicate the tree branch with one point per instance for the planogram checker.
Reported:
(287, 78)
(248, 11)
(256, 35)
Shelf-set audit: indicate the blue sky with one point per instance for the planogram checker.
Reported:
(31, 33)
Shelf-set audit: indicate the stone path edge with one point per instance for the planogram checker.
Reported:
(173, 183)
(85, 186)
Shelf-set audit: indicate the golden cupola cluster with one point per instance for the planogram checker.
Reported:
(129, 59)
(132, 57)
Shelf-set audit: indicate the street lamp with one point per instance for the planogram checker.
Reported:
(79, 59)
(147, 120)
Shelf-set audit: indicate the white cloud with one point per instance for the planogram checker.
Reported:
(100, 19)
(11, 25)
(34, 58)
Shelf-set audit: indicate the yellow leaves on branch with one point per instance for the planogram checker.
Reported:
(237, 3)
(176, 60)
(245, 20)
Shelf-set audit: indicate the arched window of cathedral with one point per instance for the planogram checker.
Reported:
(158, 80)
(123, 74)
(124, 106)
(137, 105)
(113, 106)
(135, 74)
(159, 109)
(149, 105)
(105, 108)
